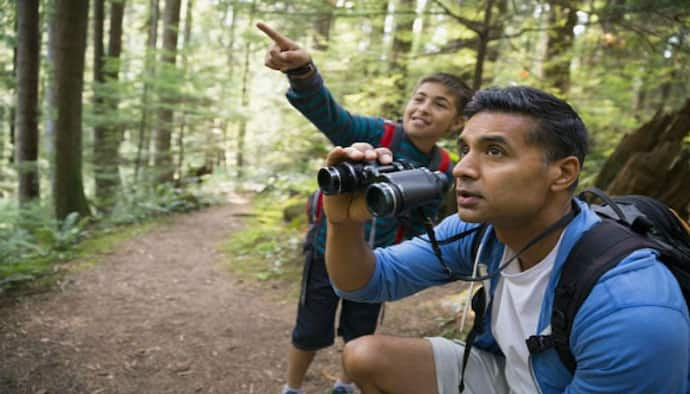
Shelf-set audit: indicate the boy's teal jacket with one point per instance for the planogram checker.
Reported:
(631, 335)
(311, 97)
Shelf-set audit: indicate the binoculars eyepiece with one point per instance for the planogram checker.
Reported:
(390, 189)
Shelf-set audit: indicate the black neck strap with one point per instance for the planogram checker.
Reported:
(435, 245)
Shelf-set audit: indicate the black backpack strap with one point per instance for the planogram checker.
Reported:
(478, 307)
(597, 251)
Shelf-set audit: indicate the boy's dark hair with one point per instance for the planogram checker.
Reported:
(561, 132)
(459, 89)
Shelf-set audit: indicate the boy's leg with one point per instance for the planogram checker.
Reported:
(298, 364)
(387, 364)
(314, 326)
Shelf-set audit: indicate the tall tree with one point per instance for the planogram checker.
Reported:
(322, 25)
(142, 156)
(163, 155)
(399, 55)
(107, 136)
(560, 38)
(26, 140)
(186, 37)
(67, 38)
(242, 130)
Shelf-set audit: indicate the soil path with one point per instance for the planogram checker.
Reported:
(161, 315)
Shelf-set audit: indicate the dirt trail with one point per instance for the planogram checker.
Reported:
(161, 315)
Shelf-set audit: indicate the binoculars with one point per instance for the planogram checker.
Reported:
(389, 189)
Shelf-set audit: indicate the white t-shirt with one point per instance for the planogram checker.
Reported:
(515, 314)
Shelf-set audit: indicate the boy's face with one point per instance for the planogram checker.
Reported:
(500, 178)
(430, 113)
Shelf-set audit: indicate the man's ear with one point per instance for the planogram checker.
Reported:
(564, 173)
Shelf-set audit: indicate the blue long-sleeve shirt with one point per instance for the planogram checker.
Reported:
(631, 335)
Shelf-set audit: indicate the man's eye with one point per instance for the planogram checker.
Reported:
(494, 151)
(463, 149)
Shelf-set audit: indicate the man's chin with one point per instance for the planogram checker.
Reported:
(470, 216)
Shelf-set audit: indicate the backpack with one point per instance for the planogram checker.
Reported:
(629, 223)
(391, 138)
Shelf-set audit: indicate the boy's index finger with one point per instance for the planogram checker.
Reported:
(283, 42)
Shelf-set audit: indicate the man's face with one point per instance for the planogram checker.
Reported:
(501, 179)
(430, 113)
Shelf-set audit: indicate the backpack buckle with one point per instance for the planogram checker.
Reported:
(539, 343)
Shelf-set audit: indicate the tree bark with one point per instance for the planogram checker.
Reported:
(27, 72)
(652, 161)
(68, 32)
(163, 156)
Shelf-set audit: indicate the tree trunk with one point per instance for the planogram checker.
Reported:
(559, 45)
(482, 46)
(142, 156)
(109, 136)
(99, 132)
(399, 55)
(183, 119)
(242, 131)
(68, 41)
(322, 26)
(652, 161)
(163, 156)
(26, 140)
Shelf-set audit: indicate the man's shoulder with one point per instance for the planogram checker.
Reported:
(640, 280)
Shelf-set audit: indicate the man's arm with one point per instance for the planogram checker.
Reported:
(349, 259)
(631, 335)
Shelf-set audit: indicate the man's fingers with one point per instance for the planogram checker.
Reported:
(283, 42)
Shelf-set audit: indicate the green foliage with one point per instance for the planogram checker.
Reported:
(30, 241)
(269, 248)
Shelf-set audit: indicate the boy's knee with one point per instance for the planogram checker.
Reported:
(362, 357)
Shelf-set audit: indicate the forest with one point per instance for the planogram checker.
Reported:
(116, 112)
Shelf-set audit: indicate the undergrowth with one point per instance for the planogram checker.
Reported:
(33, 243)
(269, 248)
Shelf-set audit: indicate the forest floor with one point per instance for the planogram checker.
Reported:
(162, 314)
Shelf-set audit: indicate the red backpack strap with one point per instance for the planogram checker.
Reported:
(314, 206)
(388, 134)
(440, 159)
(399, 234)
(445, 160)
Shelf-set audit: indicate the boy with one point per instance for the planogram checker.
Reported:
(433, 111)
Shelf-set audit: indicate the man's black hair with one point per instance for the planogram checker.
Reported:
(560, 130)
(459, 89)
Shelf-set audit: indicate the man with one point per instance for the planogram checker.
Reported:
(433, 111)
(521, 153)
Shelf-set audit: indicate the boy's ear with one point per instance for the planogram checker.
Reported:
(457, 125)
(564, 173)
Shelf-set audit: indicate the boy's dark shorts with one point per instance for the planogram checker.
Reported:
(316, 312)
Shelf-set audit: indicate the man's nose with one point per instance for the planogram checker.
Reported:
(466, 167)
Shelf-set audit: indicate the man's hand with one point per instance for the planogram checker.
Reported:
(352, 207)
(283, 54)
